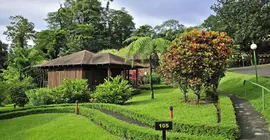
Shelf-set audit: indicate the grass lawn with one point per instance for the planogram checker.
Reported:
(52, 127)
(233, 83)
(164, 98)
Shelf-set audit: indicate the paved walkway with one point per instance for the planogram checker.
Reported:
(124, 118)
(252, 124)
(263, 70)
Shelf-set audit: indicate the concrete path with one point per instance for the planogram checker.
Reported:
(252, 124)
(263, 70)
(124, 118)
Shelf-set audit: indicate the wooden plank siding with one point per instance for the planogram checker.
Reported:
(55, 77)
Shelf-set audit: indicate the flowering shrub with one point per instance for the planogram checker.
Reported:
(132, 74)
(197, 58)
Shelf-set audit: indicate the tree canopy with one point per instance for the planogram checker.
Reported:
(245, 21)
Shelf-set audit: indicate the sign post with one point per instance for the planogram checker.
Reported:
(171, 112)
(164, 125)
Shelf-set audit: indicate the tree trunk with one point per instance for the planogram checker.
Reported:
(185, 97)
(198, 98)
(151, 83)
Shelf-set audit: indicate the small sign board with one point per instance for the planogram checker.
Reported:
(164, 125)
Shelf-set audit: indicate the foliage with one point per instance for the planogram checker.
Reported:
(169, 30)
(243, 21)
(197, 58)
(120, 27)
(41, 96)
(113, 90)
(55, 126)
(144, 30)
(3, 91)
(71, 90)
(147, 48)
(20, 64)
(156, 79)
(3, 55)
(84, 25)
(17, 91)
(20, 31)
(233, 84)
(51, 42)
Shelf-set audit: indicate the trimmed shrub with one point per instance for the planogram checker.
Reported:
(71, 90)
(114, 90)
(226, 128)
(41, 96)
(111, 124)
(197, 59)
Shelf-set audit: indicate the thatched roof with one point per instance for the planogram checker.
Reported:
(87, 58)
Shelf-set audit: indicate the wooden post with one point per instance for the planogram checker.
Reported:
(136, 80)
(128, 74)
(77, 108)
(109, 72)
(124, 73)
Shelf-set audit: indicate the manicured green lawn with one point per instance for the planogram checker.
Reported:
(52, 127)
(183, 112)
(233, 83)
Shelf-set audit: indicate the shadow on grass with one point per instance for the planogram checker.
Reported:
(139, 102)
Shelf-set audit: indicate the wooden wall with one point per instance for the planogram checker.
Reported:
(55, 77)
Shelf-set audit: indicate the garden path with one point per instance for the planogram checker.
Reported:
(124, 118)
(252, 124)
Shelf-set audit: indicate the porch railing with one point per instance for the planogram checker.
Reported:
(258, 85)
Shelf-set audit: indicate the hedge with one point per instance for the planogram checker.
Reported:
(228, 119)
(226, 128)
(111, 124)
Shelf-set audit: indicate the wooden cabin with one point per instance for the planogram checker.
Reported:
(87, 65)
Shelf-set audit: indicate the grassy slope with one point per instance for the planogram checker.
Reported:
(233, 83)
(159, 107)
(52, 126)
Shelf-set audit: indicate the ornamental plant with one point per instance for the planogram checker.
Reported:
(196, 59)
(114, 91)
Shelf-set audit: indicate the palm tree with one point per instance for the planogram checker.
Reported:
(147, 48)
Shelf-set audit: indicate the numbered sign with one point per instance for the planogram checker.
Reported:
(165, 125)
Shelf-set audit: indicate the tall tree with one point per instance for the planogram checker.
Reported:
(21, 57)
(244, 20)
(51, 42)
(120, 27)
(20, 31)
(169, 29)
(144, 30)
(148, 48)
(84, 24)
(3, 55)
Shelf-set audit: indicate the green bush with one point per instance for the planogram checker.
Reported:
(114, 90)
(17, 91)
(71, 90)
(41, 96)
